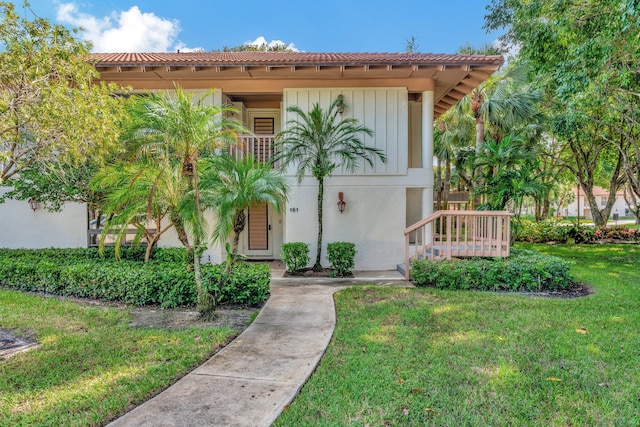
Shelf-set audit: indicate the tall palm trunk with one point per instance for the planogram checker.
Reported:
(318, 266)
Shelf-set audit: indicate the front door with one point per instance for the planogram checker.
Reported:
(259, 236)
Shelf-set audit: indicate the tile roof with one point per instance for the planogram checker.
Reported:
(290, 58)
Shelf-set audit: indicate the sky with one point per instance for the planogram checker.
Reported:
(318, 26)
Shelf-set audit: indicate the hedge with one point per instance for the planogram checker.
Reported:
(164, 281)
(524, 270)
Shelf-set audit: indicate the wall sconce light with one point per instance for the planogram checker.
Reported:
(34, 204)
(341, 203)
(340, 104)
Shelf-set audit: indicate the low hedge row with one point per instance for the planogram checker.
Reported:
(524, 270)
(163, 281)
(554, 231)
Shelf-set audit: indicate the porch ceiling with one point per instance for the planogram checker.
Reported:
(269, 73)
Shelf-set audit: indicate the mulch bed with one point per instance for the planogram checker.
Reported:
(577, 290)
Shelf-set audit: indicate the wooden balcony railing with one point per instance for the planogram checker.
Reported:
(448, 234)
(261, 146)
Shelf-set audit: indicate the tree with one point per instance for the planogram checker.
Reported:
(51, 110)
(231, 185)
(174, 133)
(585, 56)
(504, 102)
(318, 142)
(138, 194)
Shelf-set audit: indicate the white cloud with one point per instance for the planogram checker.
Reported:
(262, 41)
(125, 31)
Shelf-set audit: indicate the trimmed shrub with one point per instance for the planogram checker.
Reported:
(524, 270)
(341, 256)
(295, 256)
(248, 283)
(540, 232)
(162, 281)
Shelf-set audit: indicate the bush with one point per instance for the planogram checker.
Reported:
(341, 256)
(295, 256)
(162, 281)
(540, 232)
(524, 270)
(248, 283)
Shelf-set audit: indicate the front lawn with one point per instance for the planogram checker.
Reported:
(91, 365)
(433, 357)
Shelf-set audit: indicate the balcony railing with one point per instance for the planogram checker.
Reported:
(261, 146)
(448, 234)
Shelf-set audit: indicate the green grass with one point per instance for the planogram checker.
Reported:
(91, 366)
(414, 357)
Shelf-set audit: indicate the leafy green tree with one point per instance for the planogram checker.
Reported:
(51, 109)
(317, 142)
(231, 185)
(585, 57)
(175, 132)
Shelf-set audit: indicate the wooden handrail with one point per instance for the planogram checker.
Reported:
(452, 233)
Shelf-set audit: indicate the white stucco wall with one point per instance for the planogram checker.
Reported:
(374, 219)
(21, 227)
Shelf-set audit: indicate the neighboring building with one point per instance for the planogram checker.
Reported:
(581, 204)
(398, 95)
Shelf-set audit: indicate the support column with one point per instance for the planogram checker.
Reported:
(427, 151)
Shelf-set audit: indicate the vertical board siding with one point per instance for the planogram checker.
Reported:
(384, 110)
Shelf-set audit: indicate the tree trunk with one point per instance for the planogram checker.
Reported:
(318, 266)
(479, 133)
(206, 304)
(447, 184)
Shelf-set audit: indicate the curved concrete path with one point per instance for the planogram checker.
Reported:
(252, 379)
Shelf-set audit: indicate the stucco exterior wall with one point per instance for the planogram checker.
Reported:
(374, 219)
(21, 227)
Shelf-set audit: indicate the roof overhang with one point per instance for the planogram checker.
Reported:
(451, 77)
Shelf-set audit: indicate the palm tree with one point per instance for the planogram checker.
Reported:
(137, 194)
(230, 186)
(318, 142)
(176, 132)
(503, 101)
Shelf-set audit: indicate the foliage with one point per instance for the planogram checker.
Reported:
(317, 142)
(91, 365)
(341, 256)
(264, 47)
(166, 280)
(51, 109)
(549, 230)
(245, 283)
(524, 270)
(432, 357)
(166, 137)
(587, 234)
(584, 56)
(295, 256)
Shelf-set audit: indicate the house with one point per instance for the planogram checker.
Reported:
(397, 95)
(580, 205)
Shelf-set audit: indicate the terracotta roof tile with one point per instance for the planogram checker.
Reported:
(286, 58)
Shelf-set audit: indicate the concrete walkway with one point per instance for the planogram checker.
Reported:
(251, 380)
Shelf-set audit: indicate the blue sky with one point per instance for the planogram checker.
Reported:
(319, 26)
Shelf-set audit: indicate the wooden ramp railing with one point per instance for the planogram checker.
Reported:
(447, 234)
